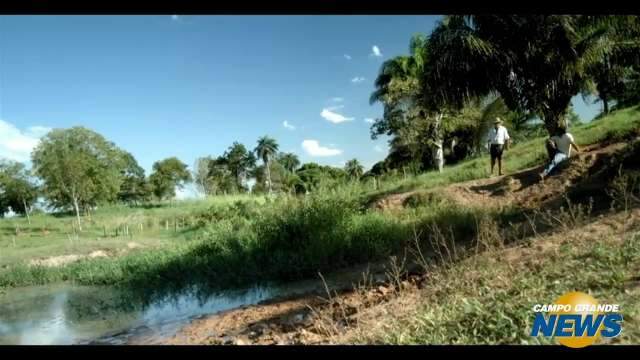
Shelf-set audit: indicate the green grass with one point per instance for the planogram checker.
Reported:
(152, 226)
(485, 300)
(227, 241)
(618, 126)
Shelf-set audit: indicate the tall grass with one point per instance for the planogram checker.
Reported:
(240, 243)
(240, 240)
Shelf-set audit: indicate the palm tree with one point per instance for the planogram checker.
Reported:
(536, 63)
(619, 54)
(409, 101)
(240, 162)
(290, 161)
(354, 169)
(266, 149)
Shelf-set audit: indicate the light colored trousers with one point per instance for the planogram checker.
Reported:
(557, 159)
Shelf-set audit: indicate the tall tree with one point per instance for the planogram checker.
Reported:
(201, 175)
(411, 111)
(354, 169)
(631, 93)
(619, 56)
(79, 168)
(167, 175)
(240, 162)
(537, 63)
(221, 178)
(266, 150)
(134, 187)
(290, 161)
(17, 189)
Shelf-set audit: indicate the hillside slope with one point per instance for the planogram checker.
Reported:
(482, 296)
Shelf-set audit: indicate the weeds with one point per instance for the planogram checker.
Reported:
(566, 218)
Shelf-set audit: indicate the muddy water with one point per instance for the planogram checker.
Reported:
(67, 314)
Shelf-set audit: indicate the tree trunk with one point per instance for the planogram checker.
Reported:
(605, 103)
(438, 155)
(268, 174)
(77, 208)
(26, 210)
(553, 121)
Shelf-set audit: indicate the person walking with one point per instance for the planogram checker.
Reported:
(498, 142)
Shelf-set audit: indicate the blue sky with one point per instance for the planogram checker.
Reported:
(188, 86)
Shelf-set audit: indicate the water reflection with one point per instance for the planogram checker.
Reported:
(68, 314)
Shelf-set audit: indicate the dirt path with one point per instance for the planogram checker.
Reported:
(61, 260)
(522, 188)
(316, 319)
(311, 318)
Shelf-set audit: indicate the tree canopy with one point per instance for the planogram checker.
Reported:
(79, 168)
(18, 192)
(167, 175)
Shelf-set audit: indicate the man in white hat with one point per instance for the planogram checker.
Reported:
(498, 141)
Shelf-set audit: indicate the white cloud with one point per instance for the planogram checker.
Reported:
(16, 144)
(287, 125)
(358, 79)
(313, 148)
(369, 120)
(375, 51)
(334, 117)
(175, 17)
(337, 99)
(334, 107)
(378, 148)
(347, 56)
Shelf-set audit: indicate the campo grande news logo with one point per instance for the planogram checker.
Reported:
(577, 320)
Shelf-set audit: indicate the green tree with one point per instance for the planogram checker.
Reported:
(202, 177)
(167, 175)
(413, 112)
(266, 150)
(17, 189)
(281, 179)
(290, 161)
(311, 175)
(79, 169)
(354, 169)
(631, 93)
(315, 176)
(240, 162)
(615, 65)
(537, 63)
(134, 187)
(220, 177)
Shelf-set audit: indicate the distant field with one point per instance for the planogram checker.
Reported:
(110, 228)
